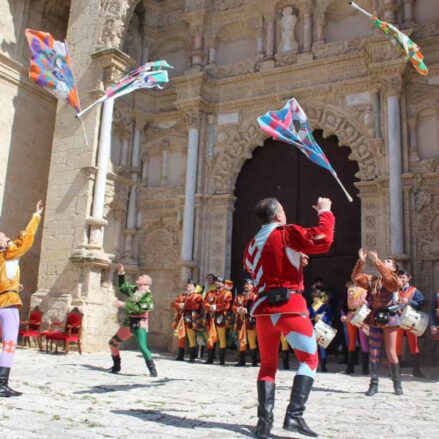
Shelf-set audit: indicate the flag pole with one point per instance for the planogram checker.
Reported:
(81, 113)
(344, 189)
(354, 5)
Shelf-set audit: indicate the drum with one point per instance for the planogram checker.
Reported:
(324, 333)
(359, 317)
(414, 321)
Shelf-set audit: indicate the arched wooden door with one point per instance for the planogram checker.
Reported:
(282, 171)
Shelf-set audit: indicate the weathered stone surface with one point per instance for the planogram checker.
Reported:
(74, 397)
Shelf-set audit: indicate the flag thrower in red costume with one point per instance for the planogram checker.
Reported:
(275, 258)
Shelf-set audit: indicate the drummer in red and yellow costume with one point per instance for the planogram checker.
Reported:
(188, 306)
(245, 324)
(216, 305)
(384, 320)
(409, 295)
(10, 302)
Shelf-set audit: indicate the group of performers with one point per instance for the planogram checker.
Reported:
(204, 315)
(269, 312)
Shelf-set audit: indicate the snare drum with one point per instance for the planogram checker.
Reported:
(324, 333)
(414, 321)
(359, 317)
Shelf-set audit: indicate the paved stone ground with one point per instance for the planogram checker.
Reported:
(74, 397)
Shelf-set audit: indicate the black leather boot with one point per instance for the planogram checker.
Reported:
(350, 369)
(373, 385)
(241, 361)
(365, 363)
(416, 366)
(266, 392)
(5, 390)
(294, 416)
(222, 356)
(285, 360)
(151, 367)
(192, 354)
(116, 364)
(254, 354)
(210, 354)
(180, 355)
(323, 365)
(396, 378)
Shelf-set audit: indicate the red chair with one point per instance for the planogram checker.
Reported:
(32, 328)
(71, 333)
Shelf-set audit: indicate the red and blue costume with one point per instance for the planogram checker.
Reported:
(274, 260)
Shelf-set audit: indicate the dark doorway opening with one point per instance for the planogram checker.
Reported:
(282, 171)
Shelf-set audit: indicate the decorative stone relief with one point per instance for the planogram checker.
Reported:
(427, 225)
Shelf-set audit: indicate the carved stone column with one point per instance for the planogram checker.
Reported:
(395, 170)
(145, 164)
(164, 176)
(210, 135)
(408, 13)
(193, 121)
(307, 31)
(195, 22)
(132, 201)
(269, 36)
(413, 141)
(377, 112)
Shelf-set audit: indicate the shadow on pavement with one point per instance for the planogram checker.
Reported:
(184, 422)
(108, 388)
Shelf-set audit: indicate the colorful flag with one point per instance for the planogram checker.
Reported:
(242, 337)
(290, 125)
(180, 330)
(51, 67)
(151, 74)
(212, 334)
(405, 45)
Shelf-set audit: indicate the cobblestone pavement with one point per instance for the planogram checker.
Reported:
(74, 397)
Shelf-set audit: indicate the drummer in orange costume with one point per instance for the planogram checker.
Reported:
(188, 306)
(410, 295)
(216, 305)
(245, 324)
(355, 298)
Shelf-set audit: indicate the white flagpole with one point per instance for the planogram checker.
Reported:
(344, 190)
(354, 5)
(101, 99)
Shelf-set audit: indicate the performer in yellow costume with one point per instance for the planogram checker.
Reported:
(10, 302)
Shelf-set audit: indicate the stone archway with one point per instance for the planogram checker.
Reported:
(330, 119)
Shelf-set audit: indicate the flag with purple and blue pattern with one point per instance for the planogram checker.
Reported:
(290, 125)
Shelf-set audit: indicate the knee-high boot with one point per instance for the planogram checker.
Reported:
(285, 360)
(210, 354)
(222, 356)
(266, 393)
(151, 367)
(416, 366)
(396, 378)
(116, 364)
(365, 363)
(192, 354)
(350, 369)
(180, 355)
(373, 385)
(254, 355)
(241, 361)
(5, 390)
(294, 416)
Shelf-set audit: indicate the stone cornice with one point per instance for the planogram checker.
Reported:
(17, 74)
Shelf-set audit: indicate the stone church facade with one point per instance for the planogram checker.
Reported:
(158, 194)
